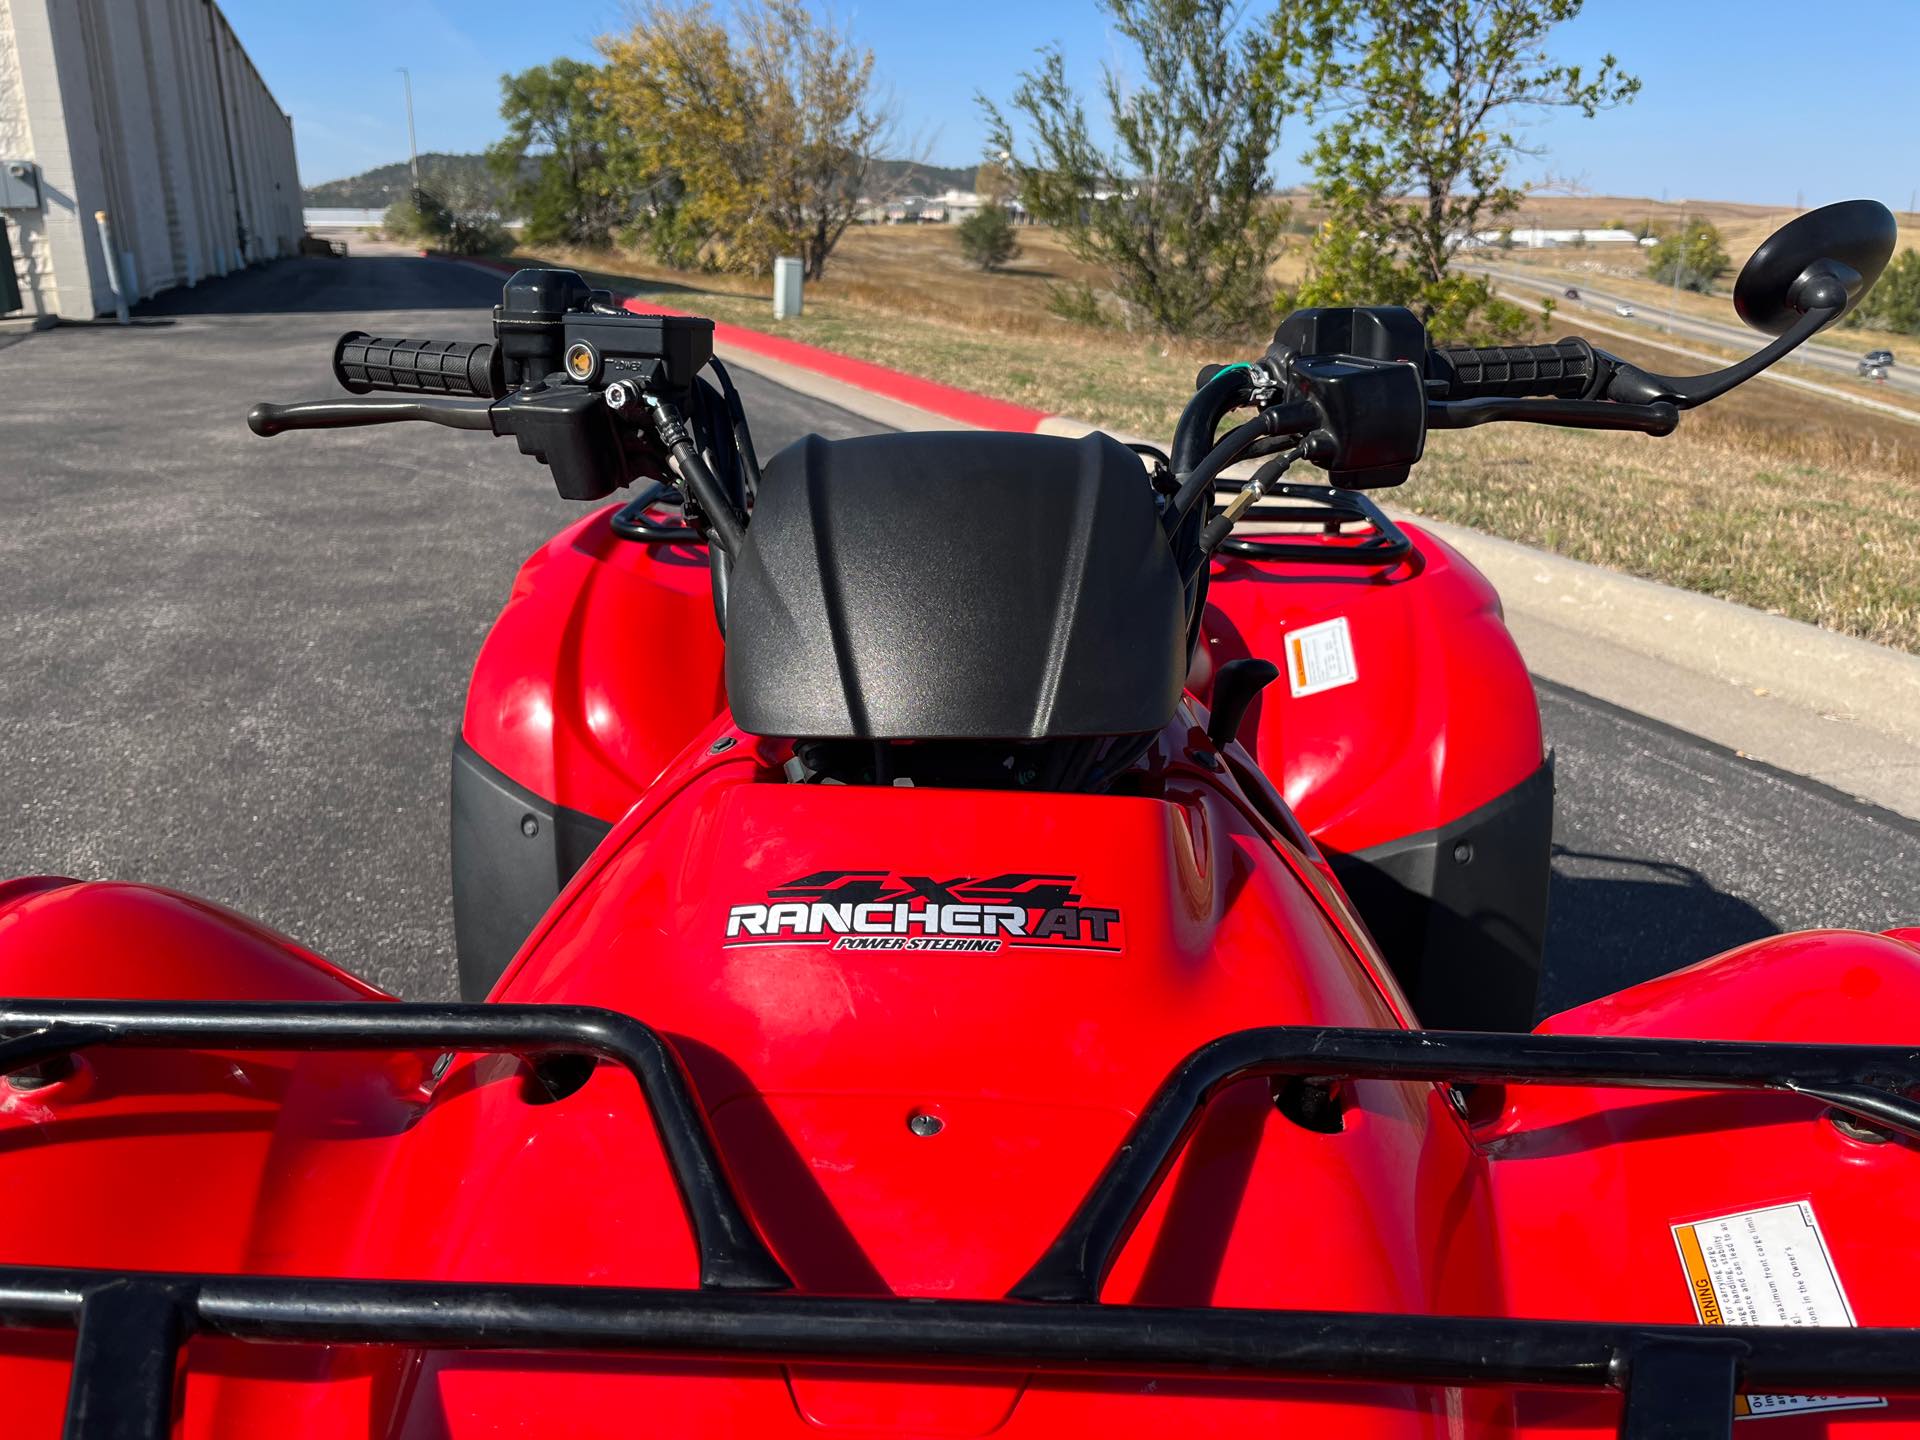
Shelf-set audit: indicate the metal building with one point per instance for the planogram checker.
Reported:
(149, 112)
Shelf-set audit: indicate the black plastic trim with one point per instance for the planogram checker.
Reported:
(513, 852)
(1461, 911)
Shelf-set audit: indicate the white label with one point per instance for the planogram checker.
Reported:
(1320, 657)
(1767, 1267)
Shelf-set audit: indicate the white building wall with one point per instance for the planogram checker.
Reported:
(151, 111)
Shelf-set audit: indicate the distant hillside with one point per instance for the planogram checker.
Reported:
(383, 186)
(388, 183)
(907, 177)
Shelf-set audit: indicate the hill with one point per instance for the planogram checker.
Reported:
(387, 183)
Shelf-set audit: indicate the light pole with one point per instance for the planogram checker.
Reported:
(413, 149)
(1679, 263)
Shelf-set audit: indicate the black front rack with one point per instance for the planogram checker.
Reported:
(1330, 509)
(1676, 1379)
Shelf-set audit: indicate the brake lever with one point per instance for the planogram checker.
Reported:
(1658, 418)
(267, 418)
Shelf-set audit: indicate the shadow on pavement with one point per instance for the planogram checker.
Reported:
(1615, 920)
(316, 286)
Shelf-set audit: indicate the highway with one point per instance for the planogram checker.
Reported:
(235, 666)
(1652, 317)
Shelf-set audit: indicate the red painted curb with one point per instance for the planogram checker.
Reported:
(967, 406)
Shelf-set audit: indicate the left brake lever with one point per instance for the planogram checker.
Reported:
(267, 418)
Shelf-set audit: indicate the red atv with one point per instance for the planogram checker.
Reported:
(977, 998)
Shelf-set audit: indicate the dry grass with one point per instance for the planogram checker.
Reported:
(1770, 497)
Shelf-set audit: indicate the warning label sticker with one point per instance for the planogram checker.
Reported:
(1767, 1267)
(1320, 657)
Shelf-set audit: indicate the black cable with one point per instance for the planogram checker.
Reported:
(728, 531)
(1220, 526)
(1193, 436)
(742, 434)
(1289, 419)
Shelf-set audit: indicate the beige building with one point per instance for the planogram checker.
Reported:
(150, 111)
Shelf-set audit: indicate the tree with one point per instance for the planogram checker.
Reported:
(772, 131)
(1893, 303)
(992, 183)
(1692, 257)
(986, 238)
(450, 216)
(1177, 209)
(1419, 104)
(570, 195)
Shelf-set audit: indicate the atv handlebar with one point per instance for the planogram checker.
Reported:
(1566, 369)
(605, 397)
(363, 363)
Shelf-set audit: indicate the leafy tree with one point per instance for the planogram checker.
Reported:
(1177, 208)
(772, 131)
(1419, 104)
(573, 193)
(986, 238)
(1347, 267)
(1894, 302)
(1694, 256)
(458, 219)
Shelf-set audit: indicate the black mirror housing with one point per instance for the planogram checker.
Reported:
(1824, 258)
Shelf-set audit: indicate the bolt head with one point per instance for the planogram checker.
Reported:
(925, 1124)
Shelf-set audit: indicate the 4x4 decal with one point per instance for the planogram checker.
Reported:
(885, 910)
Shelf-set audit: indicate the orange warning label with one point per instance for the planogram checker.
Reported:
(1767, 1267)
(1320, 657)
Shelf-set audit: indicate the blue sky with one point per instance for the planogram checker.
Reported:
(1726, 112)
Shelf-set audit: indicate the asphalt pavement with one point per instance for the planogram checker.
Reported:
(234, 666)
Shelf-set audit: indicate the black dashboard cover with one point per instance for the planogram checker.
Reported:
(961, 586)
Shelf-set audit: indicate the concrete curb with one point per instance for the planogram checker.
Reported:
(1836, 676)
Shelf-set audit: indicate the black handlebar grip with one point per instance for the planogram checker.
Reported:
(363, 362)
(1564, 369)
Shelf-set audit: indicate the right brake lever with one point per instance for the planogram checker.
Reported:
(267, 418)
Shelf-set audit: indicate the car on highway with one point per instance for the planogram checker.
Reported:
(1623, 309)
(1571, 293)
(1876, 362)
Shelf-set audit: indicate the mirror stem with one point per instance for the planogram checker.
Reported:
(1636, 386)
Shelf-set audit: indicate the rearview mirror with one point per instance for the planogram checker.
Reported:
(1827, 258)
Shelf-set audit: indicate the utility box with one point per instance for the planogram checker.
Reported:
(786, 287)
(19, 185)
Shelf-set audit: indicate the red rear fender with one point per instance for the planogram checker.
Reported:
(1588, 1185)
